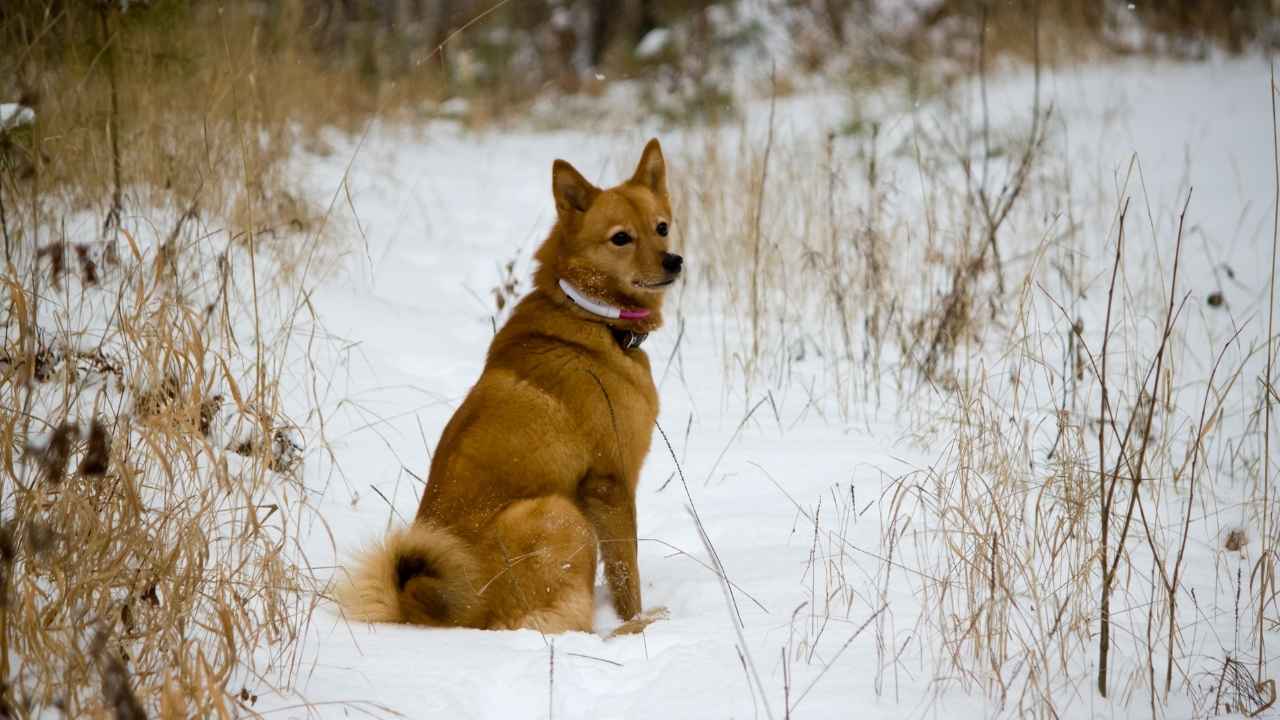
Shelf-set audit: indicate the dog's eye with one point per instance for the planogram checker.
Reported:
(662, 229)
(620, 238)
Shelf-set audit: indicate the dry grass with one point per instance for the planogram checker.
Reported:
(149, 489)
(149, 478)
(156, 250)
(149, 554)
(156, 253)
(184, 108)
(1081, 452)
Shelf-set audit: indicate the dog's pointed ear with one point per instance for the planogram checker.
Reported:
(572, 191)
(652, 170)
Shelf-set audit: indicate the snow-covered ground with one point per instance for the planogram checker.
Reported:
(831, 629)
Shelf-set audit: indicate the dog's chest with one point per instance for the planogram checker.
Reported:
(624, 430)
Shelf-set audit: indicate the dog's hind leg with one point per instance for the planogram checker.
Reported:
(546, 575)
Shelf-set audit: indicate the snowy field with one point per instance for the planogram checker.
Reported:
(838, 605)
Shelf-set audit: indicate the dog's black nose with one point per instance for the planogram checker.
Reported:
(672, 262)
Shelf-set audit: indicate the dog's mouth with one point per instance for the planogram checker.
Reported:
(658, 285)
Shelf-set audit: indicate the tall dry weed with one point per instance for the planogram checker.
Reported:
(150, 500)
(1083, 461)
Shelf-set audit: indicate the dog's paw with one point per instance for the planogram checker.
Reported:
(640, 622)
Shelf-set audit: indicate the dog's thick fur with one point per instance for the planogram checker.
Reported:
(535, 476)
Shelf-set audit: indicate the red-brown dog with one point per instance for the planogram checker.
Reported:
(536, 473)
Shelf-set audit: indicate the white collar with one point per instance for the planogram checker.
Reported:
(598, 308)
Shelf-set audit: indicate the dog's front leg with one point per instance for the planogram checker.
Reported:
(611, 507)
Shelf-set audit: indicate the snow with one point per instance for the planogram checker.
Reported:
(15, 115)
(653, 42)
(455, 106)
(402, 332)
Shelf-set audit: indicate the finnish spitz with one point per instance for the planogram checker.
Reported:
(535, 476)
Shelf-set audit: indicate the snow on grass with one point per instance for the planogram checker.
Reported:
(14, 115)
(802, 492)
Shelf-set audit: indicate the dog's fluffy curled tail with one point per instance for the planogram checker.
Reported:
(420, 574)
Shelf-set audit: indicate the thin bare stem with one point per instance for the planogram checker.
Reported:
(1104, 610)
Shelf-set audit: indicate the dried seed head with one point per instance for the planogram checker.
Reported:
(1236, 540)
(286, 452)
(6, 545)
(157, 399)
(53, 457)
(88, 269)
(126, 618)
(97, 456)
(44, 365)
(56, 253)
(208, 412)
